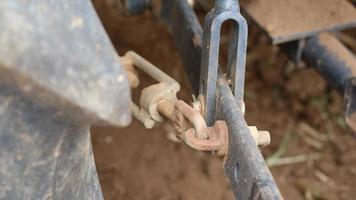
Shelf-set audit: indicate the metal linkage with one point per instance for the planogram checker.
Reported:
(225, 10)
(244, 166)
(167, 88)
(338, 65)
(160, 100)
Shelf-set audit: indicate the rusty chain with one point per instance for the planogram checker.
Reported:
(159, 101)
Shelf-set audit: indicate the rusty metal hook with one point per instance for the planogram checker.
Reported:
(200, 136)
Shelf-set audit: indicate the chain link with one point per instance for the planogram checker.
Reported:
(159, 101)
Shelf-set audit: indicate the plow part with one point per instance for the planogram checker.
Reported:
(58, 75)
(305, 37)
(338, 65)
(245, 167)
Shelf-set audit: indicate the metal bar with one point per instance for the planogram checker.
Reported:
(182, 22)
(337, 64)
(150, 69)
(225, 10)
(331, 58)
(59, 74)
(244, 165)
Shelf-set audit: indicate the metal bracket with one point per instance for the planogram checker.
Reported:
(225, 10)
(167, 88)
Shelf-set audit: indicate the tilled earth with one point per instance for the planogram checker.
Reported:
(313, 153)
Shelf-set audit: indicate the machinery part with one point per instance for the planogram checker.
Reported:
(262, 138)
(58, 76)
(187, 121)
(225, 10)
(319, 49)
(187, 33)
(283, 22)
(142, 116)
(44, 153)
(294, 50)
(309, 40)
(167, 88)
(130, 71)
(161, 98)
(194, 117)
(201, 137)
(28, 53)
(331, 58)
(204, 138)
(338, 65)
(244, 165)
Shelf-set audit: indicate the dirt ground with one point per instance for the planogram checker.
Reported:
(302, 113)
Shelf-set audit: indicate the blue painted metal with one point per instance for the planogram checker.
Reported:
(322, 55)
(336, 64)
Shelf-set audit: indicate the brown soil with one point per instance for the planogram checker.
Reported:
(135, 163)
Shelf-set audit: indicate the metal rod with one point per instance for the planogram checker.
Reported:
(185, 28)
(331, 58)
(244, 165)
(338, 65)
(151, 70)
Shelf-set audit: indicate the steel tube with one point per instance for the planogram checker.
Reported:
(244, 166)
(336, 64)
(331, 58)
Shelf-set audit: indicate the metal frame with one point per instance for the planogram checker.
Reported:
(245, 167)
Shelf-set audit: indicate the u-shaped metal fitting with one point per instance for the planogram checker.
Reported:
(225, 10)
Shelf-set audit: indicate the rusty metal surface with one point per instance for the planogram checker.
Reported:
(287, 20)
(198, 135)
(245, 167)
